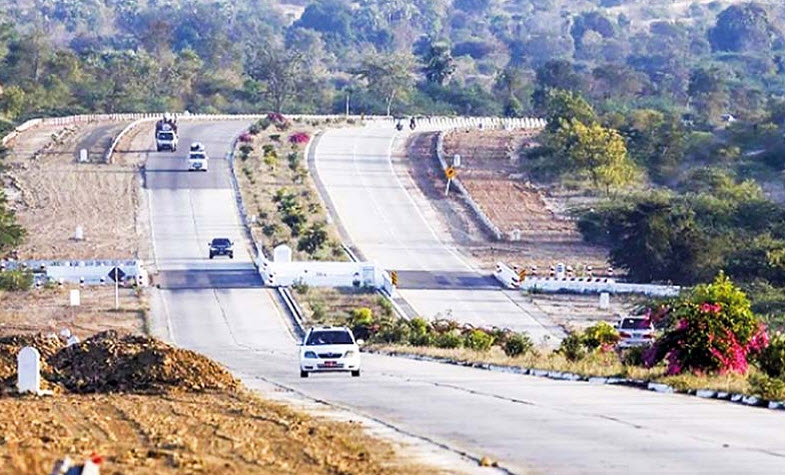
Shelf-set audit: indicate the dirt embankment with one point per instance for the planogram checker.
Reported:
(149, 408)
(534, 219)
(52, 193)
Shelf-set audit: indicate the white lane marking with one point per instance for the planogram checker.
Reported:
(169, 325)
(449, 249)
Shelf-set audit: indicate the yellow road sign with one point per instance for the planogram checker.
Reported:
(450, 172)
(522, 275)
(394, 277)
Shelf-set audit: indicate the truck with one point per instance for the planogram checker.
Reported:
(197, 158)
(166, 134)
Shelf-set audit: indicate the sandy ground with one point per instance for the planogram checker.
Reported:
(541, 248)
(523, 211)
(184, 433)
(49, 310)
(52, 194)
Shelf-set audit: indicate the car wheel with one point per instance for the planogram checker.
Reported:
(211, 256)
(356, 374)
(303, 374)
(231, 255)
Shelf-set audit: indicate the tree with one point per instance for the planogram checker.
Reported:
(439, 65)
(282, 74)
(390, 76)
(510, 87)
(597, 150)
(708, 92)
(11, 233)
(563, 106)
(12, 101)
(743, 28)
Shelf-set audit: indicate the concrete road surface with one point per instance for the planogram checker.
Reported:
(530, 425)
(387, 222)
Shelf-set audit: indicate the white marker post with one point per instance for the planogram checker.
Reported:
(28, 369)
(116, 291)
(447, 191)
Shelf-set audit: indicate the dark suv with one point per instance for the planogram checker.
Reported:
(221, 247)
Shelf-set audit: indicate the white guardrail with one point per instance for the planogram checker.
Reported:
(89, 272)
(581, 285)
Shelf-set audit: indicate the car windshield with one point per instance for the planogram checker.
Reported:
(221, 242)
(165, 135)
(332, 337)
(635, 324)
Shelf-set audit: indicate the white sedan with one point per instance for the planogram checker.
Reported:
(329, 349)
(635, 331)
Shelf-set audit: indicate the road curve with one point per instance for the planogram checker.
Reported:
(384, 219)
(528, 424)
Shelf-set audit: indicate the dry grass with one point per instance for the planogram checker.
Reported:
(323, 305)
(48, 310)
(185, 433)
(598, 364)
(52, 194)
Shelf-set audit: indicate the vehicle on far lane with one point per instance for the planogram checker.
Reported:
(635, 331)
(329, 349)
(221, 247)
(197, 158)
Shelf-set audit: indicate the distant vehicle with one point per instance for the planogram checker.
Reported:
(166, 134)
(635, 331)
(221, 247)
(197, 158)
(329, 349)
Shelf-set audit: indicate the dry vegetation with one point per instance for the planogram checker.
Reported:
(533, 218)
(263, 174)
(323, 305)
(596, 364)
(52, 194)
(48, 310)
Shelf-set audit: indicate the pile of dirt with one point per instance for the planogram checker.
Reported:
(110, 362)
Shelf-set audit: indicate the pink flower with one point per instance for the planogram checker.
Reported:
(299, 138)
(674, 365)
(682, 324)
(710, 308)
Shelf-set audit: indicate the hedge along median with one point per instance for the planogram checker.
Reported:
(710, 344)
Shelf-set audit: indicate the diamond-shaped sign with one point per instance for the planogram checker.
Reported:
(116, 274)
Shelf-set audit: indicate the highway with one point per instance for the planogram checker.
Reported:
(530, 425)
(385, 217)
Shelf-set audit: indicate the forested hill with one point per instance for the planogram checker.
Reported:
(428, 56)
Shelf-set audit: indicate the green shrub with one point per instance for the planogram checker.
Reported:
(362, 316)
(419, 332)
(275, 137)
(599, 335)
(16, 280)
(478, 340)
(263, 123)
(254, 129)
(571, 347)
(771, 359)
(385, 305)
(518, 344)
(633, 356)
(246, 149)
(448, 340)
(767, 387)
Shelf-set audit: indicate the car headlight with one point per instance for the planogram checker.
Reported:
(349, 354)
(310, 354)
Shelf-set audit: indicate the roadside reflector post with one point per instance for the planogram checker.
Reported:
(28, 370)
(75, 298)
(605, 300)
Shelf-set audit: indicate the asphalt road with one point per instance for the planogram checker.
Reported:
(528, 424)
(391, 224)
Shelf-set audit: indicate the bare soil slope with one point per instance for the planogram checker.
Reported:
(52, 194)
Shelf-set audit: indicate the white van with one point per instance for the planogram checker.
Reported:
(197, 158)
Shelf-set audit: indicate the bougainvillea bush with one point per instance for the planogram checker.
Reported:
(711, 329)
(299, 138)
